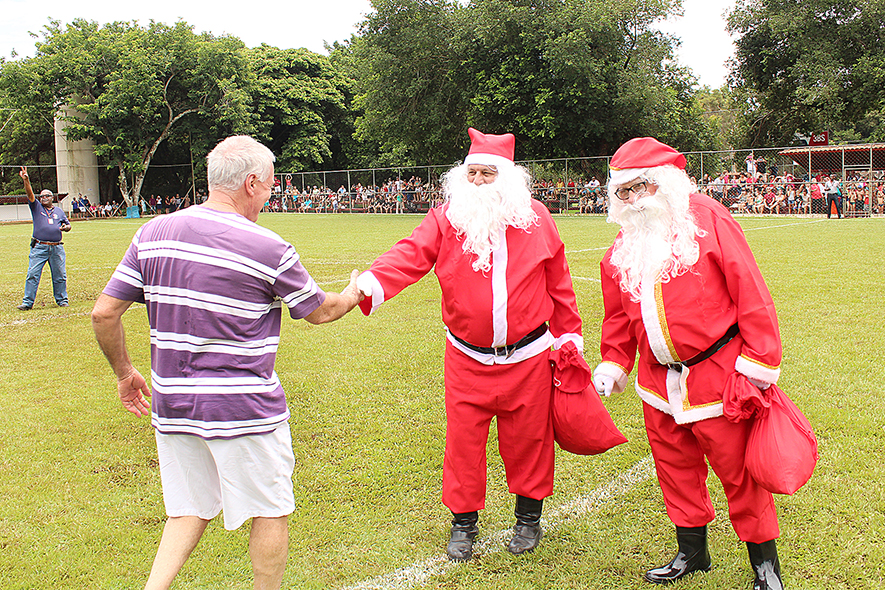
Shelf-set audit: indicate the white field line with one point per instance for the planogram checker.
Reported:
(34, 316)
(418, 574)
(785, 225)
(346, 280)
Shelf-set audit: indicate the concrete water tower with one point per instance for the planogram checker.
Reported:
(76, 163)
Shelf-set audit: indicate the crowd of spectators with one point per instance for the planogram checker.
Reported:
(413, 195)
(587, 196)
(393, 196)
(772, 193)
(758, 190)
(82, 208)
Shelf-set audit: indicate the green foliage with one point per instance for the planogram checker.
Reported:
(809, 66)
(299, 104)
(26, 120)
(567, 77)
(406, 62)
(131, 86)
(719, 110)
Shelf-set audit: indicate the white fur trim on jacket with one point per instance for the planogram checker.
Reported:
(756, 370)
(651, 319)
(499, 291)
(570, 337)
(675, 402)
(528, 351)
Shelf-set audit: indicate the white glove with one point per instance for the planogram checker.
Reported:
(364, 284)
(760, 384)
(604, 384)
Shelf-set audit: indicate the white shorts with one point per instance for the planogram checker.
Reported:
(246, 477)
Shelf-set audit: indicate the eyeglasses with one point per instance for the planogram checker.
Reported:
(638, 189)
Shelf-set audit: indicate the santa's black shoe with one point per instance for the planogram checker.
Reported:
(692, 556)
(464, 530)
(527, 530)
(766, 566)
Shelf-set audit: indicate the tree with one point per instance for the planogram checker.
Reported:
(299, 103)
(134, 86)
(567, 77)
(26, 127)
(405, 62)
(583, 77)
(719, 110)
(804, 66)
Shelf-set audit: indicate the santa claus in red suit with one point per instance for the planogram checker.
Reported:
(507, 297)
(681, 286)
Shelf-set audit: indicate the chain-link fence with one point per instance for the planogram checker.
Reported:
(847, 180)
(770, 181)
(568, 184)
(369, 190)
(833, 180)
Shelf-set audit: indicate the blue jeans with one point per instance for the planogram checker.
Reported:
(40, 255)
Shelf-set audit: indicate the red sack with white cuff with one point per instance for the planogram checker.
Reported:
(581, 424)
(782, 448)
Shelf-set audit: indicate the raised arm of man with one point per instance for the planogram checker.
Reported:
(28, 190)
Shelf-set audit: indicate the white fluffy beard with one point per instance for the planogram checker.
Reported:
(657, 241)
(479, 213)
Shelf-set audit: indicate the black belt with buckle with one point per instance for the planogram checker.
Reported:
(506, 351)
(729, 334)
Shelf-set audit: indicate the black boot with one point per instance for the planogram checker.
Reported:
(464, 530)
(766, 566)
(527, 531)
(692, 556)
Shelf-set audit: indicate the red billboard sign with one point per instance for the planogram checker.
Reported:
(822, 138)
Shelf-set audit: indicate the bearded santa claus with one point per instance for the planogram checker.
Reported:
(681, 286)
(507, 297)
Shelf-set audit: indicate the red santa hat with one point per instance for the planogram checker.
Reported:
(490, 150)
(634, 158)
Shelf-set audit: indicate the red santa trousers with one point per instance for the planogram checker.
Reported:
(520, 395)
(679, 451)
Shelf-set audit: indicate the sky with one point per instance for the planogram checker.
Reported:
(311, 23)
(706, 46)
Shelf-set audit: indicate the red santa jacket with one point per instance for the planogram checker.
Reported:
(681, 318)
(529, 284)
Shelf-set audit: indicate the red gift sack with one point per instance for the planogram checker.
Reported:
(581, 424)
(782, 448)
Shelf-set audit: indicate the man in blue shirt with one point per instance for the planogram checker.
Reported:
(46, 246)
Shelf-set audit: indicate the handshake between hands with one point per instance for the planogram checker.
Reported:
(364, 284)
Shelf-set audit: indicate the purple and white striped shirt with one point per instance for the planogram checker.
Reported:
(214, 284)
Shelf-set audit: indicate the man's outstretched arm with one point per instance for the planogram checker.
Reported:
(337, 305)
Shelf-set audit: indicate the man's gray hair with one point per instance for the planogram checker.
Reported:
(234, 159)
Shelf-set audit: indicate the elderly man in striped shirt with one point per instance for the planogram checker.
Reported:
(215, 284)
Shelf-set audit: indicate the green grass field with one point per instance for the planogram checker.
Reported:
(80, 498)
